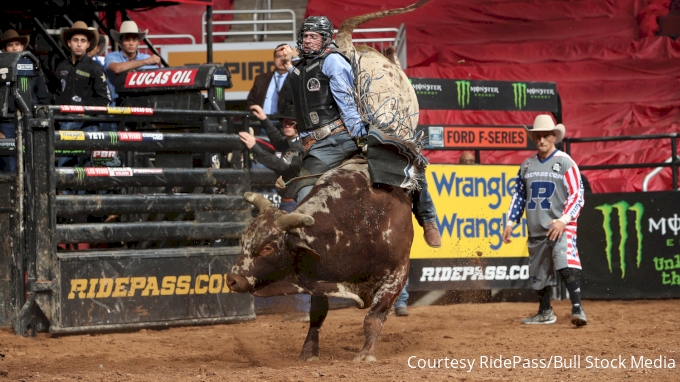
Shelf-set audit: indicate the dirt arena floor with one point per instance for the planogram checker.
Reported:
(266, 349)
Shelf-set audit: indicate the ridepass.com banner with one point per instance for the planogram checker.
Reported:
(472, 203)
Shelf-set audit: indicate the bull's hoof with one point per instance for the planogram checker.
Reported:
(308, 358)
(364, 358)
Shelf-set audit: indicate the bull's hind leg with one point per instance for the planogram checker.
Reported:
(317, 314)
(383, 300)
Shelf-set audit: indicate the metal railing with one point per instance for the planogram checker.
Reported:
(256, 23)
(673, 161)
(150, 37)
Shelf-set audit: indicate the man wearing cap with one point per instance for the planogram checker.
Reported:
(549, 187)
(83, 81)
(129, 57)
(12, 42)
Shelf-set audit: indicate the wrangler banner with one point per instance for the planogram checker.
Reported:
(472, 203)
(630, 245)
(450, 94)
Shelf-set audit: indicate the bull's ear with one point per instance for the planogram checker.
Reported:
(299, 248)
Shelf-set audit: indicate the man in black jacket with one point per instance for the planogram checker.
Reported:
(12, 42)
(288, 165)
(83, 81)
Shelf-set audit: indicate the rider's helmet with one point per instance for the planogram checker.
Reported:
(318, 24)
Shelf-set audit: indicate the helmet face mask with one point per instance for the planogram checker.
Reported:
(318, 24)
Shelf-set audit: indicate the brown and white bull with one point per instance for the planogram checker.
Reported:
(346, 239)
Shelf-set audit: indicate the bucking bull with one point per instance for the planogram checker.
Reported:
(348, 238)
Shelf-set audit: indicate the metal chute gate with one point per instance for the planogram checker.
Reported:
(178, 197)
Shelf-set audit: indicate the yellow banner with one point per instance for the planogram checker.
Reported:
(472, 204)
(68, 135)
(243, 65)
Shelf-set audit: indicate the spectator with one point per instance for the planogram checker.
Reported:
(12, 42)
(129, 57)
(467, 157)
(83, 82)
(288, 165)
(99, 53)
(267, 91)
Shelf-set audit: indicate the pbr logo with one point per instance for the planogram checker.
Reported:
(313, 85)
(463, 91)
(519, 90)
(314, 117)
(622, 208)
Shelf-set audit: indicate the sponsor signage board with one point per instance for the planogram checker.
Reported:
(458, 137)
(451, 94)
(629, 245)
(244, 61)
(472, 203)
(105, 291)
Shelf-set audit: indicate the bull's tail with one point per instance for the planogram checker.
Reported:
(344, 37)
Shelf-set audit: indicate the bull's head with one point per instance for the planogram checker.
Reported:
(270, 247)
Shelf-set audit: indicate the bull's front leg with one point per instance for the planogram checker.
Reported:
(317, 314)
(383, 301)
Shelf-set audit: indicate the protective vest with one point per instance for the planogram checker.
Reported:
(314, 103)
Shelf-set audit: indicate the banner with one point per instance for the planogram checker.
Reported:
(244, 61)
(458, 137)
(472, 203)
(448, 94)
(629, 245)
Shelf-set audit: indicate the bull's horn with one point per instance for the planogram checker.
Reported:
(257, 200)
(294, 220)
(344, 37)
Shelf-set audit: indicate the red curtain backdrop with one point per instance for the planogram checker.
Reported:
(614, 76)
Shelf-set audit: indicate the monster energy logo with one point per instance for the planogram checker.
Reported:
(219, 92)
(463, 90)
(80, 173)
(622, 207)
(113, 136)
(24, 84)
(519, 89)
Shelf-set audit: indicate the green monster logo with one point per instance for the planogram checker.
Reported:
(24, 84)
(463, 90)
(622, 207)
(113, 136)
(519, 89)
(80, 173)
(219, 94)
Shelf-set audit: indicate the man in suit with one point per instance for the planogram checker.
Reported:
(267, 88)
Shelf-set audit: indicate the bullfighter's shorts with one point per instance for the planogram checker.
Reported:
(545, 259)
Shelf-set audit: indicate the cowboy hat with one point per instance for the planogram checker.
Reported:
(288, 113)
(544, 122)
(79, 27)
(95, 41)
(128, 27)
(12, 35)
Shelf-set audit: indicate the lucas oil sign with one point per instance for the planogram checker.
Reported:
(472, 204)
(160, 78)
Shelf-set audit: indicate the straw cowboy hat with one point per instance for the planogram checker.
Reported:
(544, 122)
(128, 27)
(79, 27)
(11, 35)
